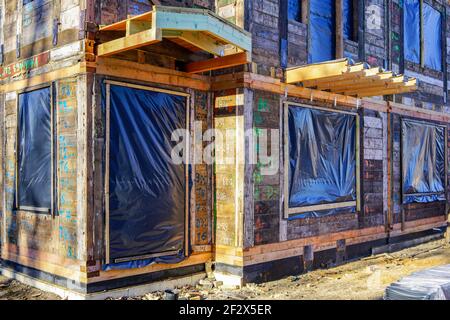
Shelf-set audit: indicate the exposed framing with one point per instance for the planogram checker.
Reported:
(52, 210)
(108, 84)
(403, 194)
(289, 212)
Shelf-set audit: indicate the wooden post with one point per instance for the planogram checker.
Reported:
(422, 38)
(339, 29)
(447, 234)
(305, 11)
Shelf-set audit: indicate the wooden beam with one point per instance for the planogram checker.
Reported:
(369, 85)
(382, 85)
(397, 89)
(133, 41)
(415, 112)
(198, 39)
(148, 73)
(293, 211)
(316, 71)
(218, 63)
(351, 82)
(342, 77)
(122, 25)
(191, 19)
(134, 26)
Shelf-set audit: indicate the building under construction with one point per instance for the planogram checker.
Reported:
(352, 96)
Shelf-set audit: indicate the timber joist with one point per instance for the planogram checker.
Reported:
(343, 77)
(196, 30)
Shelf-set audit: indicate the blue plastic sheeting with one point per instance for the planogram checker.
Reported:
(322, 158)
(147, 191)
(35, 145)
(432, 25)
(423, 161)
(294, 10)
(347, 19)
(323, 30)
(411, 17)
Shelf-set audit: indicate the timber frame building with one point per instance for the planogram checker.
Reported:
(91, 90)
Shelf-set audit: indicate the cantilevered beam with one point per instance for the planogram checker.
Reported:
(133, 41)
(219, 63)
(409, 86)
(373, 81)
(317, 71)
(199, 40)
(205, 21)
(356, 75)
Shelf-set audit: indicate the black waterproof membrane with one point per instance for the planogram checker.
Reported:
(147, 191)
(423, 162)
(323, 30)
(322, 158)
(35, 145)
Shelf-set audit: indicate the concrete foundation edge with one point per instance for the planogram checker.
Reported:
(133, 291)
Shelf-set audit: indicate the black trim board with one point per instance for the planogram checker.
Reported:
(293, 266)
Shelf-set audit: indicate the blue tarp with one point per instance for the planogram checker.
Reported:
(35, 145)
(294, 10)
(323, 30)
(423, 152)
(411, 17)
(322, 158)
(347, 19)
(147, 191)
(432, 25)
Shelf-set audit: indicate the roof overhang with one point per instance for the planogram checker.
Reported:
(193, 29)
(342, 77)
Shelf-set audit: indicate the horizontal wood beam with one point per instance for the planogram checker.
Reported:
(137, 26)
(316, 71)
(354, 75)
(374, 84)
(148, 73)
(219, 63)
(335, 86)
(293, 211)
(198, 39)
(392, 89)
(130, 42)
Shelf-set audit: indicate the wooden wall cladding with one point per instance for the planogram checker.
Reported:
(30, 231)
(66, 142)
(267, 192)
(202, 220)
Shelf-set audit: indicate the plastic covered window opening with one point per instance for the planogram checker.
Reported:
(432, 34)
(147, 191)
(423, 162)
(294, 10)
(322, 24)
(347, 20)
(34, 150)
(322, 158)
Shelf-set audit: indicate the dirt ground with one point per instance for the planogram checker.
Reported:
(360, 280)
(14, 290)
